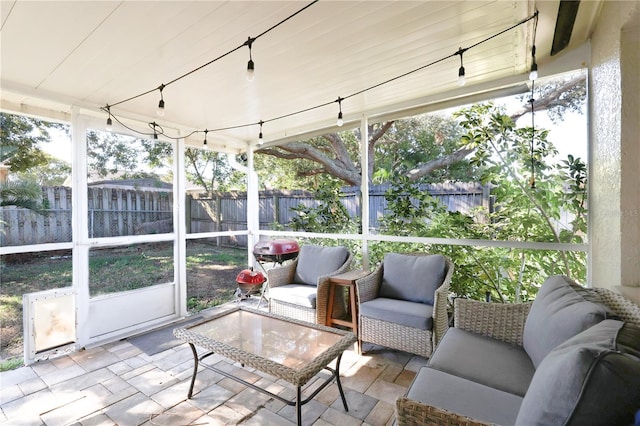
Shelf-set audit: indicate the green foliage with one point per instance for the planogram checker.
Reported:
(53, 173)
(330, 216)
(522, 212)
(111, 153)
(411, 209)
(20, 138)
(416, 140)
(208, 169)
(11, 364)
(24, 193)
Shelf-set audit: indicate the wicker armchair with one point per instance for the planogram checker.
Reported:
(390, 332)
(504, 322)
(300, 289)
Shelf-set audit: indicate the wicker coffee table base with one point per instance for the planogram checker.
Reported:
(298, 402)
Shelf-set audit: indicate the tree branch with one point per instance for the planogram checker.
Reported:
(438, 163)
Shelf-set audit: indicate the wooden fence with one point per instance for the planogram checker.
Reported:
(227, 212)
(120, 212)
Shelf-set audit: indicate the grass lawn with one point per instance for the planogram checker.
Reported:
(211, 273)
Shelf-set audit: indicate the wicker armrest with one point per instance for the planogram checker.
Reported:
(620, 305)
(322, 295)
(368, 286)
(410, 412)
(282, 275)
(440, 305)
(502, 321)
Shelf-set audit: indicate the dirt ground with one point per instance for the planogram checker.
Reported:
(213, 282)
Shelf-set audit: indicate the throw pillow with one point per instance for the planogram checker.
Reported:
(317, 261)
(560, 310)
(413, 278)
(592, 378)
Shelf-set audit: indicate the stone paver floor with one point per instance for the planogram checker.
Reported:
(120, 384)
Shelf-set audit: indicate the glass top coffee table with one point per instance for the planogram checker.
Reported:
(285, 348)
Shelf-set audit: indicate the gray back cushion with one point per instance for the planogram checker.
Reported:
(593, 378)
(413, 278)
(561, 310)
(316, 261)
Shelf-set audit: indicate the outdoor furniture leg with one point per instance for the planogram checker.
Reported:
(195, 369)
(344, 400)
(299, 405)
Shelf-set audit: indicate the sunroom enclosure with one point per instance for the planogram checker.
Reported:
(117, 314)
(612, 58)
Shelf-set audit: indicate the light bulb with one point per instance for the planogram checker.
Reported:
(160, 110)
(340, 121)
(260, 139)
(533, 75)
(461, 79)
(109, 127)
(250, 70)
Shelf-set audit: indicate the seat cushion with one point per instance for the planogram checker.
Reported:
(465, 397)
(410, 314)
(593, 378)
(484, 360)
(413, 278)
(317, 261)
(297, 294)
(560, 310)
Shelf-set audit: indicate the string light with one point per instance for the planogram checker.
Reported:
(155, 133)
(461, 79)
(533, 75)
(160, 110)
(205, 137)
(250, 64)
(532, 181)
(109, 127)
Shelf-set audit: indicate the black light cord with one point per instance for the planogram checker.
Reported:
(246, 43)
(359, 92)
(532, 181)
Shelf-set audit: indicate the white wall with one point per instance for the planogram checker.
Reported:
(615, 150)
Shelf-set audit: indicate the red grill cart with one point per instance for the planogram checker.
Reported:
(265, 251)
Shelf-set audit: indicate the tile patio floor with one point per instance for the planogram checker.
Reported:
(120, 384)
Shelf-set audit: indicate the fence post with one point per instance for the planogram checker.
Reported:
(276, 207)
(188, 200)
(218, 202)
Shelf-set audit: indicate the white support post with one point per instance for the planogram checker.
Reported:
(364, 189)
(180, 228)
(79, 224)
(253, 207)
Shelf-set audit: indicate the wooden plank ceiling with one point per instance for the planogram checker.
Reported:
(55, 54)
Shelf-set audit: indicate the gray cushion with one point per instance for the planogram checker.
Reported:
(316, 261)
(590, 379)
(410, 314)
(560, 310)
(413, 278)
(297, 294)
(484, 360)
(462, 396)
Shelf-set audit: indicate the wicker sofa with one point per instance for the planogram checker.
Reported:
(571, 357)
